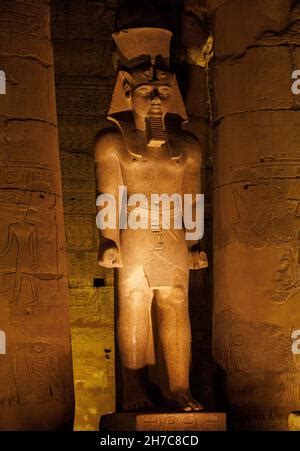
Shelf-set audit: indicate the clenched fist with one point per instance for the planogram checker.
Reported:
(197, 259)
(109, 255)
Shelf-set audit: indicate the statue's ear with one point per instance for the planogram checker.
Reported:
(127, 84)
(121, 97)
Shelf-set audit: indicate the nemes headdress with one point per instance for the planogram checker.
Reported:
(144, 57)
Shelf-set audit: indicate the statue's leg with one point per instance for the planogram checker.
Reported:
(134, 310)
(175, 336)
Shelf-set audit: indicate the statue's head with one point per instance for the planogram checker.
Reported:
(145, 84)
(148, 91)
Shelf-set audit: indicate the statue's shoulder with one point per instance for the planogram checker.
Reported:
(108, 142)
(190, 143)
(190, 138)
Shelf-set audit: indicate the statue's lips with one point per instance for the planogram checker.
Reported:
(155, 109)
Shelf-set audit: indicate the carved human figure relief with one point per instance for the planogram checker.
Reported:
(148, 152)
(43, 365)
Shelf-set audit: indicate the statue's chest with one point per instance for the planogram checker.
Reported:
(154, 170)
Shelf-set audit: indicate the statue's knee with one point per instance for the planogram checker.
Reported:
(138, 296)
(178, 295)
(175, 295)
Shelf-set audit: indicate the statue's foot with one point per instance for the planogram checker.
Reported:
(137, 401)
(183, 400)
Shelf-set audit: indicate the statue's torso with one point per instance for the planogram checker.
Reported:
(161, 253)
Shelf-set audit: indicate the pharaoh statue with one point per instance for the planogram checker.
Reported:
(147, 151)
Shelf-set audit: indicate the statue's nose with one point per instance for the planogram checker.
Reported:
(155, 96)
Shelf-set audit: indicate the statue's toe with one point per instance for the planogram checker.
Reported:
(137, 404)
(185, 402)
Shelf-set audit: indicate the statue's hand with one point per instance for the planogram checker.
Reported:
(197, 259)
(109, 255)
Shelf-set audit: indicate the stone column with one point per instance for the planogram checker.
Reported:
(256, 208)
(36, 383)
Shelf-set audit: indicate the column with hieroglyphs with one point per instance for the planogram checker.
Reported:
(256, 209)
(36, 383)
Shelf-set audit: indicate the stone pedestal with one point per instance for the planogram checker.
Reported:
(163, 421)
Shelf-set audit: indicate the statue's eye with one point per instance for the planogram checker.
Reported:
(144, 91)
(164, 91)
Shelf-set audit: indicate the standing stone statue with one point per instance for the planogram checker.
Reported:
(148, 152)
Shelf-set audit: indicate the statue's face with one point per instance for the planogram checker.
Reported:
(151, 98)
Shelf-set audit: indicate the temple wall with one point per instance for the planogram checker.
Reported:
(194, 54)
(84, 77)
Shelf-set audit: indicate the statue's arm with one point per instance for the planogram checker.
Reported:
(108, 179)
(192, 185)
